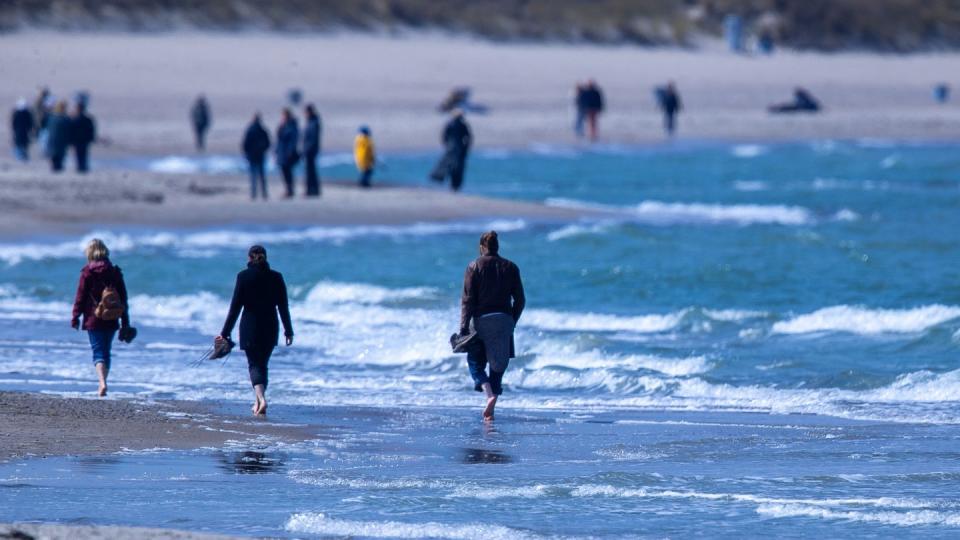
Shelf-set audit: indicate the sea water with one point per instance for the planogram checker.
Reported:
(760, 340)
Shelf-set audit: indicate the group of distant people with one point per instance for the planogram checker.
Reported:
(290, 148)
(54, 129)
(589, 103)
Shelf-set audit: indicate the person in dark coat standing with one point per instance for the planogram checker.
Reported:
(593, 105)
(311, 149)
(59, 135)
(579, 108)
(21, 124)
(288, 138)
(83, 133)
(201, 119)
(669, 101)
(260, 293)
(491, 305)
(96, 277)
(456, 141)
(256, 142)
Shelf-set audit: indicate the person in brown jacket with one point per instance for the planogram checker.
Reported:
(492, 302)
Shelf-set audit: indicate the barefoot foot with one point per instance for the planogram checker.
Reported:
(102, 392)
(262, 409)
(488, 410)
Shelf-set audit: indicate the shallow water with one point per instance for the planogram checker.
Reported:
(736, 284)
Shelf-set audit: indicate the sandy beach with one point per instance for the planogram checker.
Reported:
(725, 334)
(143, 85)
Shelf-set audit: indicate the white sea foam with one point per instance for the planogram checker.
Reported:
(912, 518)
(664, 213)
(750, 185)
(194, 165)
(317, 523)
(605, 490)
(575, 230)
(596, 322)
(740, 214)
(747, 151)
(733, 315)
(846, 214)
(225, 239)
(860, 320)
(361, 293)
(551, 353)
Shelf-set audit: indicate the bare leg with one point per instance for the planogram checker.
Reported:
(260, 405)
(491, 402)
(102, 375)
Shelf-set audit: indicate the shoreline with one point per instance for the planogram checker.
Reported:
(39, 425)
(37, 203)
(53, 531)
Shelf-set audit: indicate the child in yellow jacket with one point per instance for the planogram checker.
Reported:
(364, 155)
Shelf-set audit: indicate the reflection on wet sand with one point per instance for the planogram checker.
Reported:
(249, 462)
(471, 456)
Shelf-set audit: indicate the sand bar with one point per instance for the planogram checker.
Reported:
(35, 202)
(36, 425)
(29, 531)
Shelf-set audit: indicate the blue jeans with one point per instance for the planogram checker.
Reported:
(477, 363)
(257, 176)
(100, 343)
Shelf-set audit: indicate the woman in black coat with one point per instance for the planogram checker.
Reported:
(260, 293)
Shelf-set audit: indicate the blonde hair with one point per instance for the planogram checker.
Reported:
(97, 250)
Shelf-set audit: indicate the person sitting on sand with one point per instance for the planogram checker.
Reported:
(803, 101)
(364, 155)
(101, 300)
(259, 293)
(492, 302)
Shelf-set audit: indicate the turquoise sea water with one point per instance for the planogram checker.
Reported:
(761, 342)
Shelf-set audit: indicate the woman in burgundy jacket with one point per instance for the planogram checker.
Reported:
(96, 276)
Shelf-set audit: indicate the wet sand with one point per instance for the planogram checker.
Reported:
(37, 425)
(30, 531)
(35, 202)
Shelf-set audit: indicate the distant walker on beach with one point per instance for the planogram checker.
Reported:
(200, 119)
(490, 306)
(256, 142)
(288, 140)
(101, 302)
(456, 140)
(364, 155)
(311, 149)
(668, 99)
(590, 102)
(260, 294)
